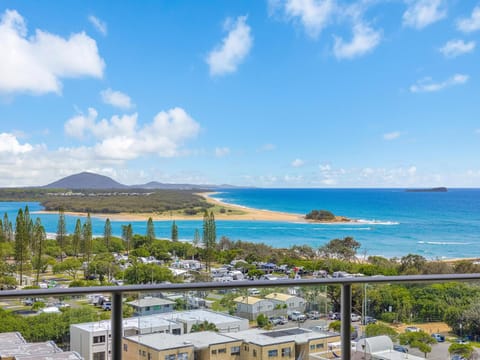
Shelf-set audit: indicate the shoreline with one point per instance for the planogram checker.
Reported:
(240, 213)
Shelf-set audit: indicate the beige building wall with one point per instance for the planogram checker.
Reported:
(133, 351)
(226, 351)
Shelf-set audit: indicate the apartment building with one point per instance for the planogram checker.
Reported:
(205, 345)
(93, 340)
(11, 351)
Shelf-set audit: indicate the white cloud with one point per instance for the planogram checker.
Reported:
(116, 98)
(222, 151)
(226, 58)
(392, 135)
(421, 13)
(37, 63)
(298, 163)
(99, 25)
(314, 15)
(9, 144)
(120, 138)
(364, 40)
(427, 85)
(472, 23)
(454, 48)
(325, 168)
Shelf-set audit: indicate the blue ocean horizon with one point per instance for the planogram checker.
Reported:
(391, 222)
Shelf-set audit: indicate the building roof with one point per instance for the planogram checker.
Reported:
(11, 338)
(143, 322)
(199, 340)
(170, 319)
(263, 338)
(67, 355)
(396, 355)
(48, 347)
(248, 300)
(150, 301)
(375, 344)
(280, 296)
(201, 315)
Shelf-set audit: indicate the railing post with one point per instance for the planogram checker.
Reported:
(346, 312)
(117, 323)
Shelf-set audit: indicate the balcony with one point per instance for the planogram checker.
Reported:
(127, 338)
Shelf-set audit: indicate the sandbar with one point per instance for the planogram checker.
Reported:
(236, 213)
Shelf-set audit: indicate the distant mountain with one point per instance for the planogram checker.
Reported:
(86, 180)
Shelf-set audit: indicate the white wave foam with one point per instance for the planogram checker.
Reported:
(443, 243)
(376, 222)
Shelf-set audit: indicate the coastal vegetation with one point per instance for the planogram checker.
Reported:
(110, 201)
(320, 215)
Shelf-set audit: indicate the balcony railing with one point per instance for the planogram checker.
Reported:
(117, 293)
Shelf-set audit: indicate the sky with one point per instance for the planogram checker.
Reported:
(265, 93)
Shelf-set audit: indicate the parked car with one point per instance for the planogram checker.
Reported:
(253, 291)
(369, 320)
(355, 317)
(278, 320)
(462, 341)
(412, 329)
(334, 316)
(297, 316)
(439, 337)
(314, 315)
(107, 306)
(28, 302)
(400, 348)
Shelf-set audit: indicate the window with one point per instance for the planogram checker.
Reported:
(99, 356)
(214, 352)
(149, 356)
(312, 347)
(222, 351)
(125, 347)
(147, 308)
(254, 353)
(245, 348)
(286, 352)
(170, 357)
(182, 356)
(319, 346)
(176, 331)
(99, 339)
(272, 353)
(144, 353)
(235, 350)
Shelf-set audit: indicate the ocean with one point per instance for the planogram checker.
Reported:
(391, 222)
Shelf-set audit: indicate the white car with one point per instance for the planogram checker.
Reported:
(355, 317)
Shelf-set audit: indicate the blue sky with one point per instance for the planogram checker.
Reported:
(279, 93)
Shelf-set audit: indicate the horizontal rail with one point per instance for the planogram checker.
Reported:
(238, 285)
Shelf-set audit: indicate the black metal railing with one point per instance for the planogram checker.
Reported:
(345, 283)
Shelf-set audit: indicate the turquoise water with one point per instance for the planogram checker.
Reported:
(392, 222)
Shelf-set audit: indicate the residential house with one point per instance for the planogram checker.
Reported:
(151, 305)
(250, 307)
(288, 302)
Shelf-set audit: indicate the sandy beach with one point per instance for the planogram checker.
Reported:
(237, 213)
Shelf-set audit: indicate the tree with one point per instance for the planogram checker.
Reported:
(61, 232)
(127, 234)
(77, 238)
(419, 339)
(21, 243)
(204, 326)
(464, 350)
(412, 264)
(343, 249)
(70, 266)
(38, 241)
(380, 329)
(107, 233)
(209, 237)
(87, 238)
(262, 321)
(174, 231)
(195, 242)
(140, 273)
(150, 231)
(103, 265)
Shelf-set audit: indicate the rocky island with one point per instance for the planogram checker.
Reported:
(325, 216)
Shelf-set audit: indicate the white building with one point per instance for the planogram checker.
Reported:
(93, 340)
(250, 307)
(286, 301)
